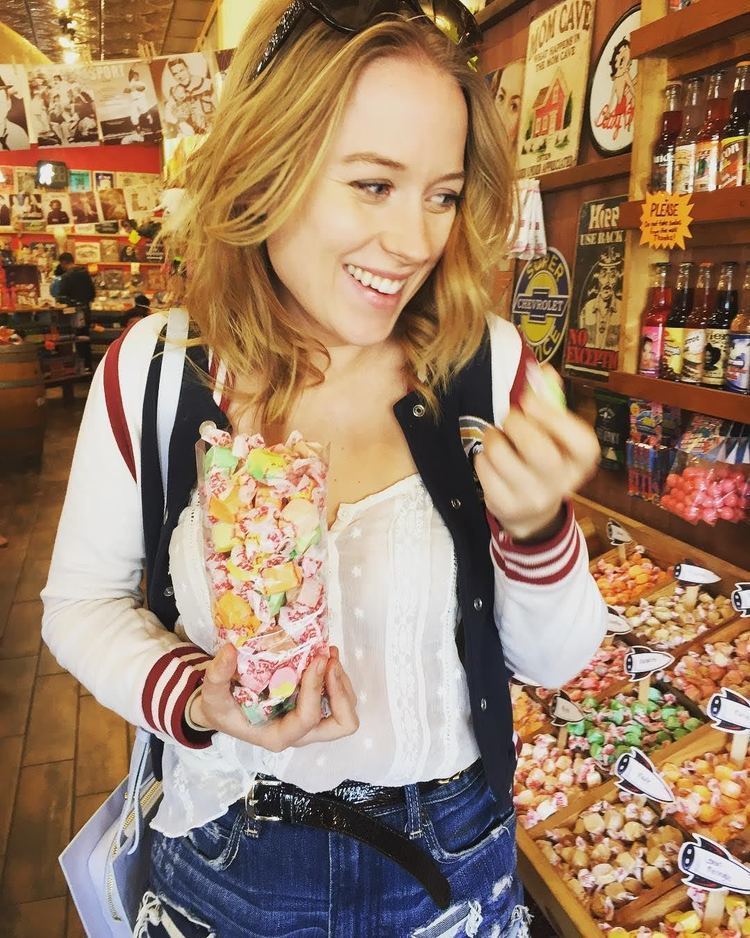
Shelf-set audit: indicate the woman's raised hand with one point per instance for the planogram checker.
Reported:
(215, 708)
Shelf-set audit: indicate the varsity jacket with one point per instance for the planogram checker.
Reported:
(529, 610)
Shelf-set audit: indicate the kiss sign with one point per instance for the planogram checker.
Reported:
(729, 711)
(637, 774)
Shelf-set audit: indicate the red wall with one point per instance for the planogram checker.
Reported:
(134, 158)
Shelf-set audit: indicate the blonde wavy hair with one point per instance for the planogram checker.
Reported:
(268, 144)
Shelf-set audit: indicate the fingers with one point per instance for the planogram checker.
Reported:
(573, 436)
(343, 720)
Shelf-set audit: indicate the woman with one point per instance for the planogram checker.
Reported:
(339, 225)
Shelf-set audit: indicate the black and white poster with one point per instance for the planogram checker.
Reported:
(62, 107)
(126, 105)
(186, 94)
(14, 127)
(594, 328)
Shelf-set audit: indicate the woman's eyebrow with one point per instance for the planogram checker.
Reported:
(378, 160)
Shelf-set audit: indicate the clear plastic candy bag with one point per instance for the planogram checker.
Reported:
(264, 531)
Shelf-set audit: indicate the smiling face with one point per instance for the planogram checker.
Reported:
(377, 219)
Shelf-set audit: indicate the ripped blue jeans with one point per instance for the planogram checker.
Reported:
(294, 880)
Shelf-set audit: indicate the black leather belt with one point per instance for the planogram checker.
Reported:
(340, 811)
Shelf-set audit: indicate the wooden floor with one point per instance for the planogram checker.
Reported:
(61, 754)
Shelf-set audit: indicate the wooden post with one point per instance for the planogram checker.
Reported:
(714, 911)
(738, 749)
(644, 686)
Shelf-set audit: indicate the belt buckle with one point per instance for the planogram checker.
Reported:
(453, 778)
(251, 801)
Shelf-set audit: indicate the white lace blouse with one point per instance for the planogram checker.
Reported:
(395, 628)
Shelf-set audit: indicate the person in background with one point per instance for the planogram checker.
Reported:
(139, 310)
(78, 288)
(4, 212)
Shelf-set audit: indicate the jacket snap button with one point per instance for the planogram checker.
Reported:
(478, 604)
(418, 410)
(483, 704)
(169, 591)
(456, 503)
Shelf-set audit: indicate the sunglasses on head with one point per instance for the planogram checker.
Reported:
(451, 17)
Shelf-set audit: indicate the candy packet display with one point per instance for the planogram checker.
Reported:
(264, 526)
(710, 478)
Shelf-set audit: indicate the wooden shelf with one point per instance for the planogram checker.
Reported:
(715, 403)
(586, 173)
(723, 205)
(498, 10)
(690, 29)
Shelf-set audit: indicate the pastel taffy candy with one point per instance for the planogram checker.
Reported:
(720, 664)
(264, 514)
(548, 779)
(528, 715)
(612, 853)
(712, 797)
(688, 923)
(623, 583)
(605, 669)
(666, 622)
(612, 727)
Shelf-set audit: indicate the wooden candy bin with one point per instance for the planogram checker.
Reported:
(637, 637)
(552, 895)
(725, 633)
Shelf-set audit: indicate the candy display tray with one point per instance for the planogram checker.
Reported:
(725, 633)
(611, 689)
(555, 899)
(703, 741)
(670, 753)
(714, 589)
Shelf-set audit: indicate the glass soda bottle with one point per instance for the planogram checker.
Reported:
(654, 321)
(674, 330)
(733, 161)
(695, 328)
(663, 156)
(737, 375)
(687, 141)
(717, 328)
(709, 138)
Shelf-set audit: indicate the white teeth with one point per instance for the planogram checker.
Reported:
(381, 284)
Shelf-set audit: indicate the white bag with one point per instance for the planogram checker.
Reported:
(107, 862)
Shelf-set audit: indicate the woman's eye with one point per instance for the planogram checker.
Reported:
(448, 199)
(373, 188)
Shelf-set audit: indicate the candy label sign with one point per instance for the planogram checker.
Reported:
(690, 573)
(708, 865)
(617, 624)
(641, 662)
(729, 711)
(636, 773)
(563, 710)
(741, 599)
(617, 534)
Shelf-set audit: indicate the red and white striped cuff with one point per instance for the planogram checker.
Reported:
(169, 686)
(541, 564)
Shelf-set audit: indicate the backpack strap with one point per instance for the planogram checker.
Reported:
(115, 409)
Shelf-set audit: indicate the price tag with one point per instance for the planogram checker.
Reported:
(689, 573)
(642, 662)
(665, 220)
(636, 773)
(710, 866)
(564, 711)
(617, 624)
(741, 599)
(617, 534)
(729, 711)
